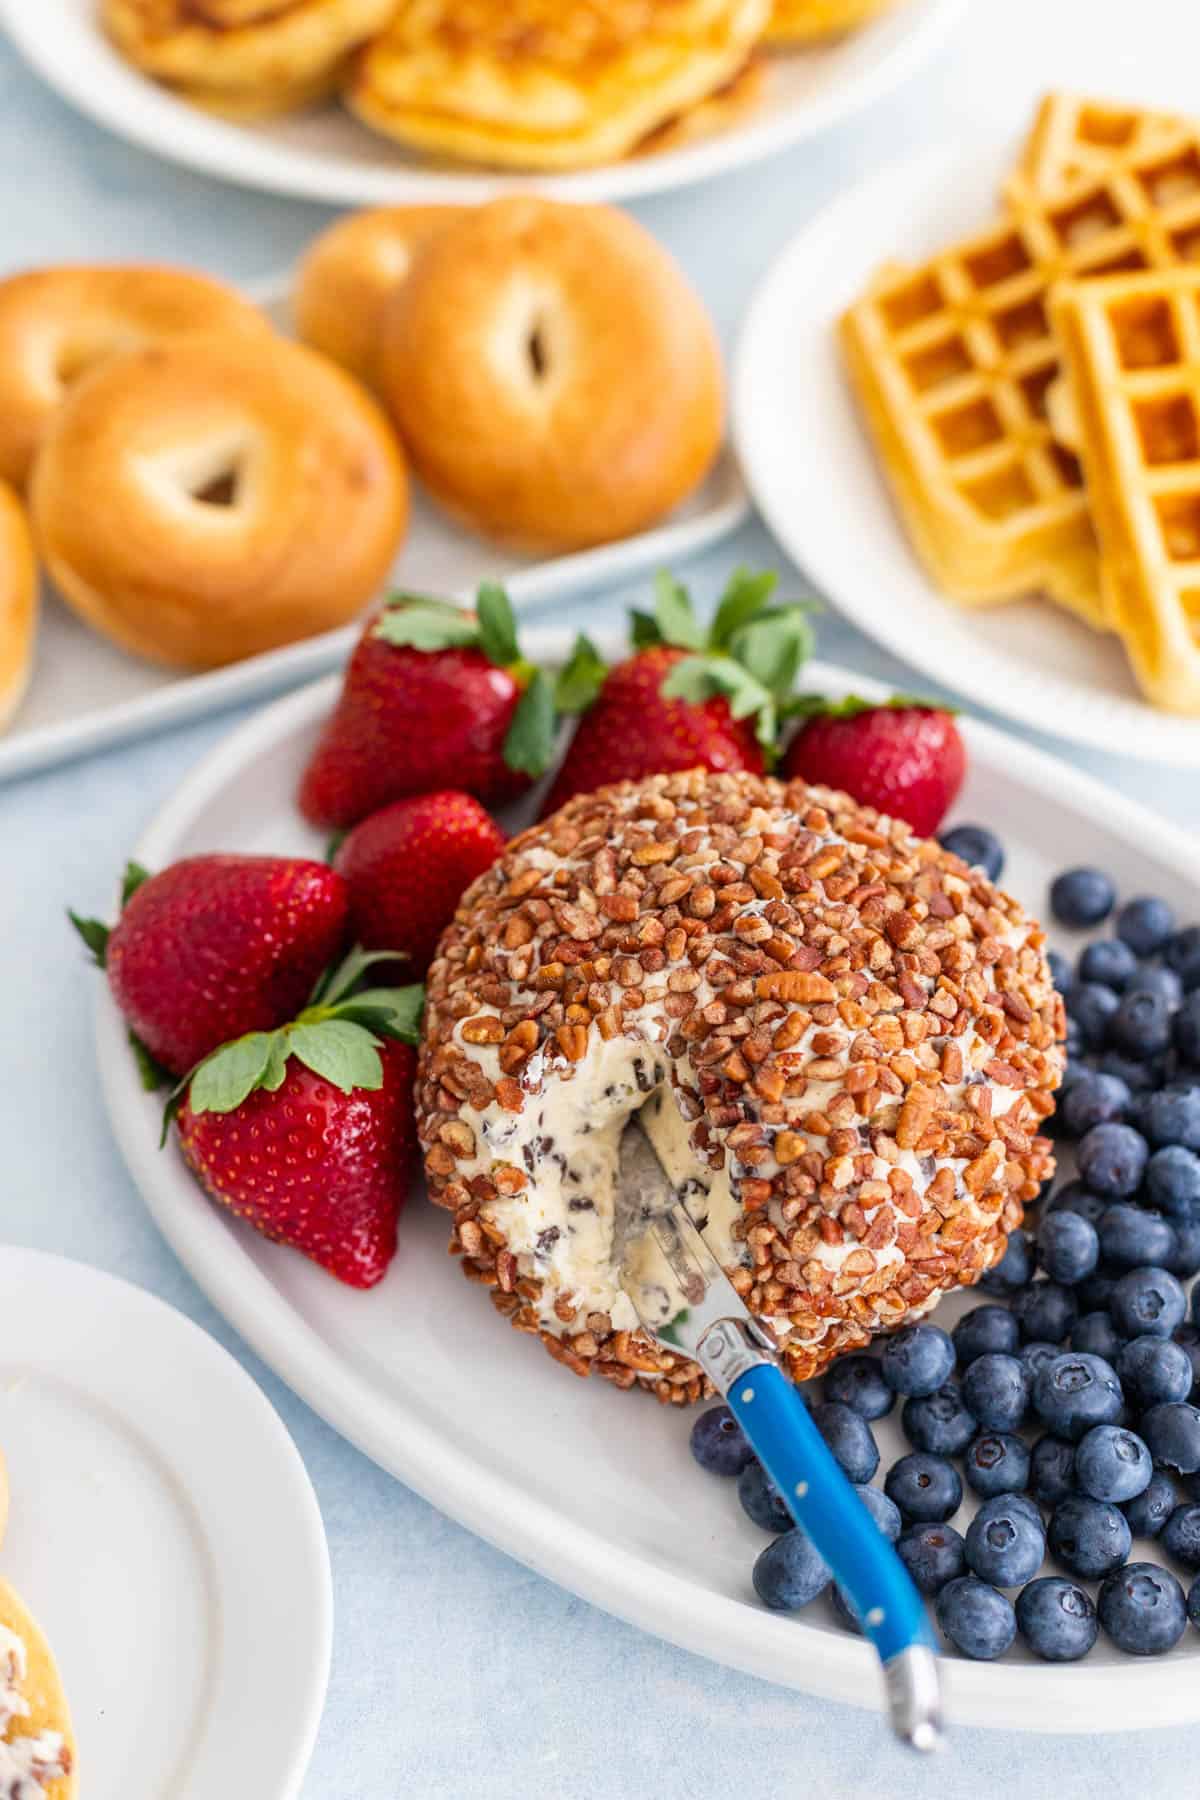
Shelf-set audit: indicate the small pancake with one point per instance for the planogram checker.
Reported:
(531, 84)
(246, 105)
(42, 1691)
(809, 21)
(717, 112)
(276, 50)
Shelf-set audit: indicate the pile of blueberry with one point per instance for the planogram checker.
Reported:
(1085, 1348)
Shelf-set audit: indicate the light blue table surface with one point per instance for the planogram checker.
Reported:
(564, 1701)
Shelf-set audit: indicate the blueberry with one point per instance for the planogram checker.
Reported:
(978, 847)
(1152, 1371)
(844, 1609)
(939, 1423)
(1095, 1293)
(1149, 1511)
(1142, 1609)
(1145, 924)
(1181, 1535)
(1004, 1544)
(1112, 1160)
(1073, 1197)
(1057, 1619)
(1092, 1007)
(1068, 1248)
(995, 1389)
(1089, 1537)
(926, 1488)
(975, 1618)
(1188, 1339)
(1096, 1333)
(1141, 1025)
(1060, 971)
(1173, 1180)
(983, 1329)
(1173, 1116)
(1045, 1310)
(1112, 1464)
(1186, 1027)
(1034, 1354)
(1172, 1430)
(1052, 1470)
(790, 1572)
(761, 1500)
(1073, 1040)
(1193, 1603)
(885, 1512)
(857, 1382)
(918, 1359)
(719, 1444)
(1182, 953)
(1139, 1077)
(1094, 1099)
(1075, 1392)
(933, 1555)
(996, 1463)
(1131, 1237)
(1184, 1260)
(849, 1437)
(1081, 897)
(1148, 1302)
(1014, 1270)
(1110, 962)
(1156, 978)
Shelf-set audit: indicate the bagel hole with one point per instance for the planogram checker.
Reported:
(221, 490)
(535, 347)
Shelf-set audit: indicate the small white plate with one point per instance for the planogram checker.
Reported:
(815, 478)
(594, 1488)
(325, 154)
(86, 694)
(164, 1532)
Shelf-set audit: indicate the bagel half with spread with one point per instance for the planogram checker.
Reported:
(55, 324)
(207, 498)
(37, 1745)
(554, 376)
(18, 625)
(841, 1041)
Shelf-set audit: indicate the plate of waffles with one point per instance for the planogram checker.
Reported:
(356, 101)
(1002, 422)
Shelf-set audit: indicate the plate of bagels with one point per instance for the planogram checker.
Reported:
(364, 101)
(215, 489)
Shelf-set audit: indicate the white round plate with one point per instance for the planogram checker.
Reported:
(594, 1488)
(815, 479)
(325, 154)
(164, 1532)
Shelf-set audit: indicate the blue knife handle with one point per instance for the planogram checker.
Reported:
(822, 1501)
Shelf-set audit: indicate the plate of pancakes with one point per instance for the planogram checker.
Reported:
(361, 101)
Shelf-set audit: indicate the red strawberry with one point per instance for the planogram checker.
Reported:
(432, 694)
(690, 697)
(215, 946)
(406, 867)
(308, 1131)
(903, 758)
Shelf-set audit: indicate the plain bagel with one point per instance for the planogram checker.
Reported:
(351, 272)
(205, 499)
(55, 324)
(18, 622)
(556, 379)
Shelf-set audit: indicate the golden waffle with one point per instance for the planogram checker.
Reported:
(809, 21)
(952, 360)
(533, 84)
(227, 61)
(1131, 349)
(1072, 137)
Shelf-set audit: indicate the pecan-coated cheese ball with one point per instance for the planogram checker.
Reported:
(841, 1041)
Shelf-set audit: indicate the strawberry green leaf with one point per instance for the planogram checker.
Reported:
(132, 880)
(339, 979)
(497, 627)
(643, 630)
(774, 647)
(745, 596)
(422, 625)
(677, 623)
(151, 1074)
(581, 679)
(394, 1012)
(275, 1073)
(849, 706)
(340, 1052)
(529, 744)
(334, 843)
(94, 934)
(699, 678)
(224, 1079)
